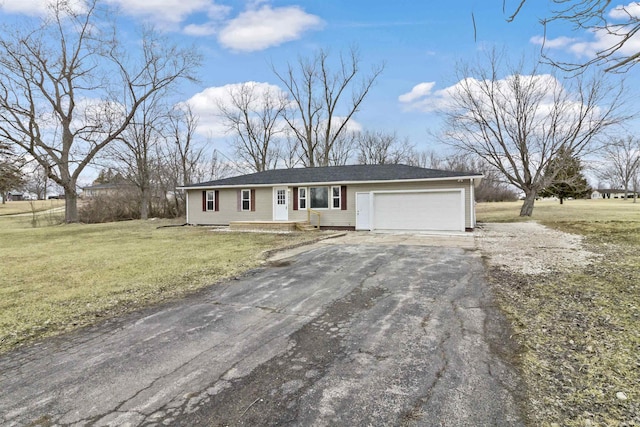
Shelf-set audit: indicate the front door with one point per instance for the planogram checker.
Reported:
(280, 204)
(363, 211)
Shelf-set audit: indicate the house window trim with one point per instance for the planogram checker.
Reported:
(302, 198)
(242, 200)
(338, 198)
(328, 187)
(211, 201)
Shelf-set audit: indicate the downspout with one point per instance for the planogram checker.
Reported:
(186, 208)
(473, 203)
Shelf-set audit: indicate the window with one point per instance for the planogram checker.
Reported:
(211, 200)
(302, 198)
(246, 200)
(319, 197)
(335, 197)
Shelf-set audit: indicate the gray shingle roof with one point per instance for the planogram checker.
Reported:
(335, 174)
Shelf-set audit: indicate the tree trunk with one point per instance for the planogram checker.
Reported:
(527, 206)
(70, 206)
(561, 200)
(144, 204)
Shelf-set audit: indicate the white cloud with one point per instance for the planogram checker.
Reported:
(265, 27)
(429, 101)
(603, 41)
(632, 10)
(600, 40)
(170, 14)
(205, 105)
(35, 7)
(420, 90)
(423, 98)
(557, 43)
(206, 29)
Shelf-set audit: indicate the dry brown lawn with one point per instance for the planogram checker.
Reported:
(578, 327)
(58, 278)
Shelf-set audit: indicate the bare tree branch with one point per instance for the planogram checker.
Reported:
(68, 89)
(519, 123)
(593, 16)
(320, 114)
(255, 119)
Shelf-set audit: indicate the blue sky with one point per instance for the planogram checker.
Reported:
(419, 41)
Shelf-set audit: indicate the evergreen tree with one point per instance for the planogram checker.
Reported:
(565, 177)
(11, 176)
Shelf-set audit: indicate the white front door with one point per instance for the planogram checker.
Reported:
(363, 211)
(280, 204)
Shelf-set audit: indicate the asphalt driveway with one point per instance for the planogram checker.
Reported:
(342, 334)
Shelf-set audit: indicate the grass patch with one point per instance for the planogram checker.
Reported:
(59, 278)
(553, 212)
(29, 206)
(580, 330)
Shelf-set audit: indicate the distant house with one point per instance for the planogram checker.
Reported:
(14, 196)
(361, 197)
(106, 189)
(611, 193)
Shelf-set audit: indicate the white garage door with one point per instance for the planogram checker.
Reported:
(427, 210)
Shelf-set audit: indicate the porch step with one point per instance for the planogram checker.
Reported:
(306, 226)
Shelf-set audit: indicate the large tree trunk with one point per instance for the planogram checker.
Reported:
(527, 206)
(70, 206)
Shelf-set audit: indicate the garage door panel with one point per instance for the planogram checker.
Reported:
(418, 211)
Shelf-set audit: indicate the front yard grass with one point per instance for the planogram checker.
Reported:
(59, 278)
(579, 330)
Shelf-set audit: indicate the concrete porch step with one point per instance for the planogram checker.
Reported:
(271, 226)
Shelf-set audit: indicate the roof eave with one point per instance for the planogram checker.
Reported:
(307, 184)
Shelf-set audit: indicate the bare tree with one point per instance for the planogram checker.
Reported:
(342, 149)
(519, 123)
(377, 148)
(134, 150)
(290, 152)
(320, 112)
(68, 88)
(37, 182)
(181, 146)
(621, 161)
(253, 114)
(183, 159)
(596, 17)
(492, 188)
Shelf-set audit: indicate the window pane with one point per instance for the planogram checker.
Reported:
(246, 197)
(336, 191)
(302, 198)
(319, 197)
(210, 200)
